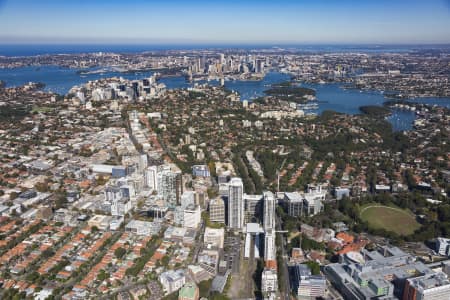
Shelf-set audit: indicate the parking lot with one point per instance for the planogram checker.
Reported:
(232, 247)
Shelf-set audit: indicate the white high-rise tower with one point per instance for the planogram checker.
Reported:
(235, 203)
(269, 211)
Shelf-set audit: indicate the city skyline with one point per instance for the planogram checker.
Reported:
(233, 22)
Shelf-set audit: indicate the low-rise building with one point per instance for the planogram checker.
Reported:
(172, 280)
(143, 228)
(374, 274)
(307, 286)
(100, 221)
(431, 286)
(443, 246)
(269, 281)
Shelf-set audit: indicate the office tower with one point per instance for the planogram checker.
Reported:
(120, 207)
(235, 203)
(192, 216)
(151, 177)
(269, 211)
(260, 66)
(217, 210)
(143, 162)
(222, 58)
(202, 64)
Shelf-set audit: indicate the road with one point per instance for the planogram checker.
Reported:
(198, 245)
(287, 285)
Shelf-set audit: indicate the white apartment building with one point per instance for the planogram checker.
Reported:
(235, 203)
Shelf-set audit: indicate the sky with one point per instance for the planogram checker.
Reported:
(226, 21)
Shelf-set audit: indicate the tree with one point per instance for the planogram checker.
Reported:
(13, 195)
(102, 275)
(204, 287)
(41, 187)
(120, 252)
(165, 260)
(314, 266)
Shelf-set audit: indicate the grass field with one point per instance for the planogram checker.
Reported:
(389, 218)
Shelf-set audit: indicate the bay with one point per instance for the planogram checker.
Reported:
(330, 96)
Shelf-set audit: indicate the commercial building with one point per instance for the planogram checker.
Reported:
(200, 171)
(172, 280)
(294, 204)
(217, 210)
(102, 169)
(100, 221)
(370, 274)
(429, 287)
(151, 177)
(120, 207)
(235, 204)
(192, 216)
(269, 281)
(309, 203)
(252, 208)
(314, 198)
(143, 228)
(119, 171)
(443, 246)
(209, 260)
(214, 237)
(305, 285)
(188, 198)
(340, 192)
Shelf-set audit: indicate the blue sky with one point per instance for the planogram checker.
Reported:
(226, 21)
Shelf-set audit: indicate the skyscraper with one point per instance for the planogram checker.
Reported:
(269, 211)
(151, 177)
(169, 186)
(235, 203)
(143, 162)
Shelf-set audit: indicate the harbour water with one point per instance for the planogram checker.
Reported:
(58, 80)
(329, 96)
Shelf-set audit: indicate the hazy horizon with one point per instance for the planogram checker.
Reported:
(232, 22)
